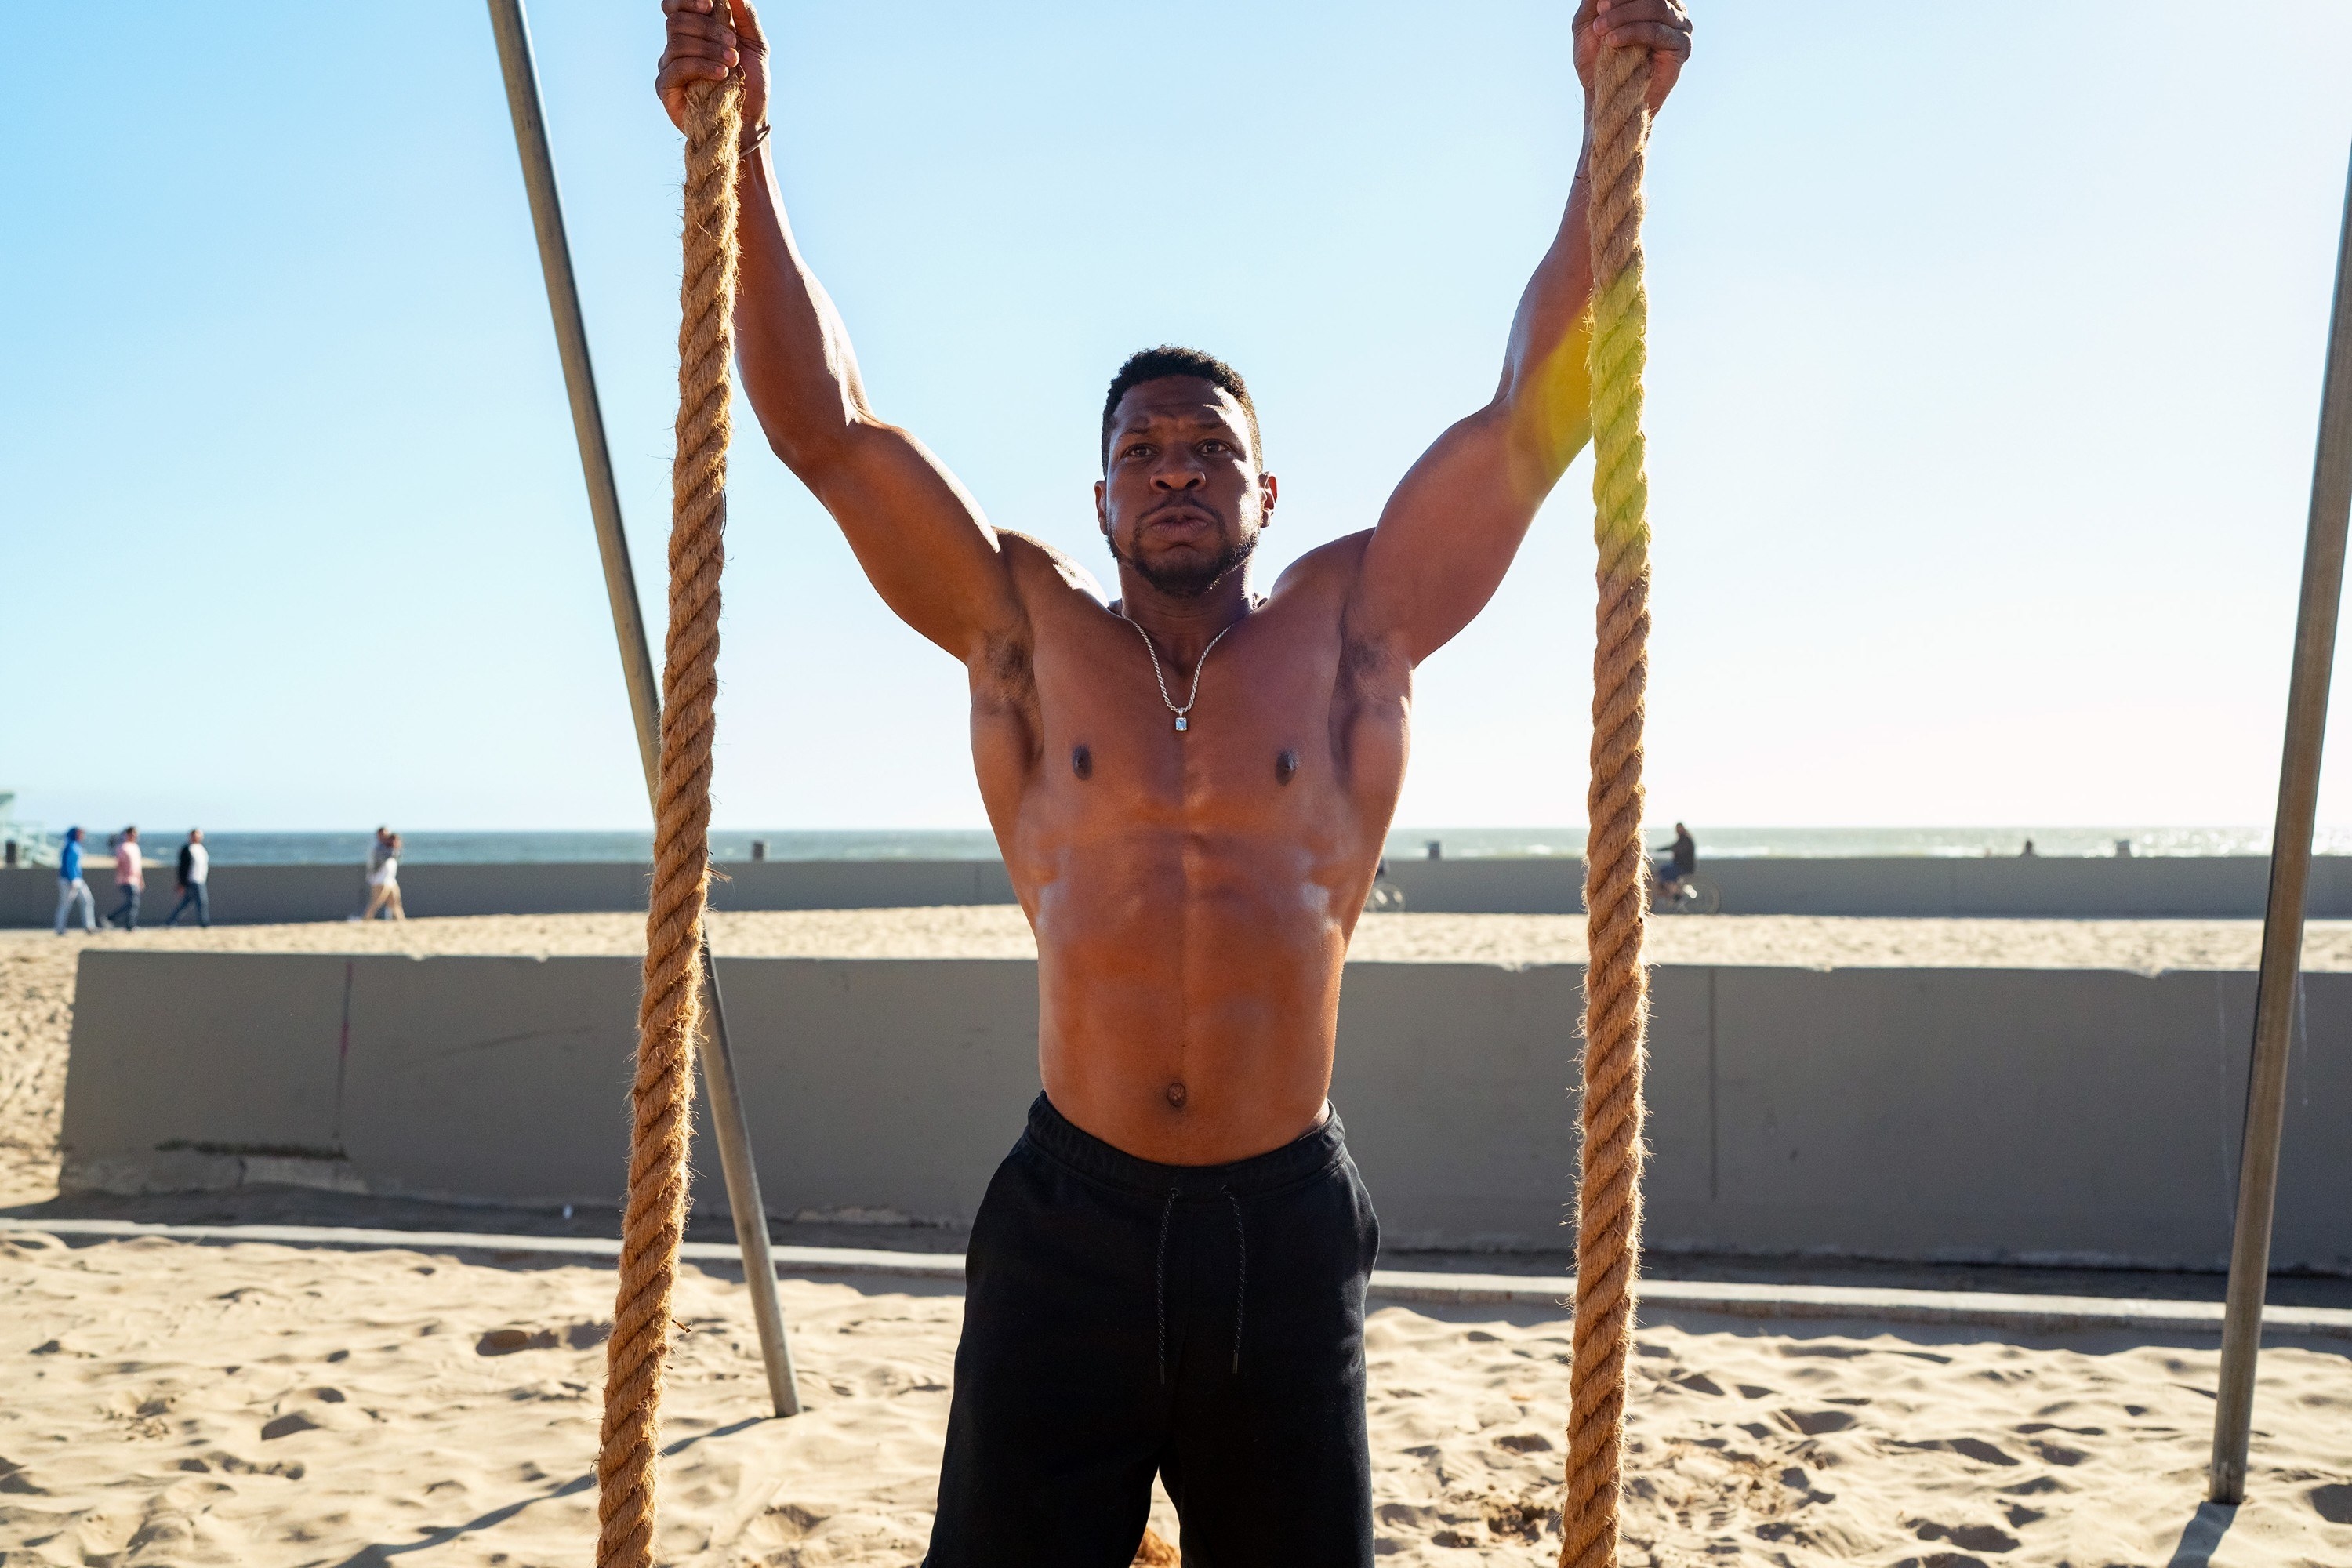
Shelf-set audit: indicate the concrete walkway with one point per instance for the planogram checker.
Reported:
(2017, 1313)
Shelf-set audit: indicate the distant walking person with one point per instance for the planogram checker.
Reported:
(196, 869)
(130, 880)
(72, 888)
(384, 881)
(376, 853)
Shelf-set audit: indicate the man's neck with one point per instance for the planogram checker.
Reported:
(1184, 626)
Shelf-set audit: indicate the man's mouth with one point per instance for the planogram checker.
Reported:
(1186, 518)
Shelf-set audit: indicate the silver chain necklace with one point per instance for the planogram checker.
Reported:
(1182, 723)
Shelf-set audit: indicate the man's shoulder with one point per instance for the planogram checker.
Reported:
(1043, 572)
(1329, 568)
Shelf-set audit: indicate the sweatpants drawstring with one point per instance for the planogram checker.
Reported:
(1159, 1282)
(1240, 1274)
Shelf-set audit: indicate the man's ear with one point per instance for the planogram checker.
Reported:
(1267, 489)
(1102, 517)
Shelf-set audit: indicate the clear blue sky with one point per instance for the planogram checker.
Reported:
(1985, 373)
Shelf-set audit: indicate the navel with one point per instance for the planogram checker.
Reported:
(1176, 1097)
(1082, 761)
(1285, 766)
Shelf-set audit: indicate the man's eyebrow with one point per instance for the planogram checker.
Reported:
(1209, 418)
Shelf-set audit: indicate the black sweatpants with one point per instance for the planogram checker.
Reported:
(1205, 1322)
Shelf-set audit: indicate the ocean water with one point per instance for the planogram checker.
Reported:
(1405, 843)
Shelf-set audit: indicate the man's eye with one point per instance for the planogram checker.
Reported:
(1215, 447)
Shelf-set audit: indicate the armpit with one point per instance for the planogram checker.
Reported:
(1373, 667)
(1005, 672)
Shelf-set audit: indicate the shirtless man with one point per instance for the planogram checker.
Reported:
(1191, 785)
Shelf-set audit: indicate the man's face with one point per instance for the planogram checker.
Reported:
(1183, 499)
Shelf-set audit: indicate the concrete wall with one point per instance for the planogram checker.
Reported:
(2215, 887)
(1901, 1113)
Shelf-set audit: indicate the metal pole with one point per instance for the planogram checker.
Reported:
(2298, 805)
(727, 1115)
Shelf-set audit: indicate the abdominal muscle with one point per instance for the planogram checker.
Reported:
(1189, 991)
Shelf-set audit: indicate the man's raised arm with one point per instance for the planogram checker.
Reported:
(921, 538)
(1449, 532)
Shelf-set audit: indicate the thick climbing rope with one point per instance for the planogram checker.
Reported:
(662, 1096)
(1617, 869)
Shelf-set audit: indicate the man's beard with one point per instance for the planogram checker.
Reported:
(1189, 582)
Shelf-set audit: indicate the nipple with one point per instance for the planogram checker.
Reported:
(1285, 766)
(1082, 761)
(1176, 1097)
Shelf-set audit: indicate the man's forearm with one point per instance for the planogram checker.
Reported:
(1545, 391)
(798, 368)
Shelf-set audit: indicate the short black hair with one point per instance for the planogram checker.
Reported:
(1167, 360)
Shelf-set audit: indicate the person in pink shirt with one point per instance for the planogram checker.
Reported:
(130, 880)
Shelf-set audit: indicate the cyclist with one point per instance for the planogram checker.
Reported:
(1678, 862)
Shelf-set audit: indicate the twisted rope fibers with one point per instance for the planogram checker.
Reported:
(1616, 875)
(671, 1012)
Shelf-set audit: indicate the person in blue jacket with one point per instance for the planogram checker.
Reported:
(72, 888)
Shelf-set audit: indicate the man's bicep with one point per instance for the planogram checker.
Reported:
(1448, 535)
(921, 538)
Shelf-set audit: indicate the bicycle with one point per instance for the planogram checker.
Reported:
(1690, 895)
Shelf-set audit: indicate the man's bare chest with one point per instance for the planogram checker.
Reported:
(1268, 736)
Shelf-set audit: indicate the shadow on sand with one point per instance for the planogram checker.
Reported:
(2201, 1536)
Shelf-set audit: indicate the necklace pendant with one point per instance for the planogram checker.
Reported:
(1180, 723)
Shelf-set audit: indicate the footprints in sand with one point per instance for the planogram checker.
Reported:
(1971, 1537)
(1747, 1447)
(575, 1336)
(1483, 1519)
(220, 1461)
(456, 1411)
(1814, 1423)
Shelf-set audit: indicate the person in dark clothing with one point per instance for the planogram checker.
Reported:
(195, 870)
(1681, 860)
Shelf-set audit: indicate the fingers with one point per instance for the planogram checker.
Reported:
(706, 30)
(700, 47)
(1658, 37)
(746, 18)
(676, 75)
(1633, 24)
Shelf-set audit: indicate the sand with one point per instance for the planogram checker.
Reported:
(168, 1403)
(177, 1404)
(36, 968)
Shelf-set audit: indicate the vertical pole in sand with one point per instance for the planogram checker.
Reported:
(727, 1114)
(2298, 806)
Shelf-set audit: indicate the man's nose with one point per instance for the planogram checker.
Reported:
(1178, 471)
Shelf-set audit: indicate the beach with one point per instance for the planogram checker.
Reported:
(180, 1403)
(177, 1402)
